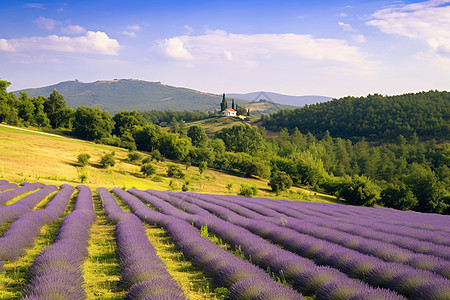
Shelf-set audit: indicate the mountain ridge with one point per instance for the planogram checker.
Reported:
(134, 94)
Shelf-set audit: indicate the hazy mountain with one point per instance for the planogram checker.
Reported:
(128, 94)
(282, 99)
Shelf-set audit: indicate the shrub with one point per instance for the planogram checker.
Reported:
(174, 171)
(202, 167)
(185, 186)
(134, 156)
(229, 186)
(148, 170)
(147, 159)
(156, 155)
(247, 190)
(108, 160)
(83, 159)
(280, 181)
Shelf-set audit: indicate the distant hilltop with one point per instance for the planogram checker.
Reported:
(132, 94)
(281, 99)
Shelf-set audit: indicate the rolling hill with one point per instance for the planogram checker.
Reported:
(129, 94)
(282, 99)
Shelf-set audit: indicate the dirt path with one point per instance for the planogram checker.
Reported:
(34, 131)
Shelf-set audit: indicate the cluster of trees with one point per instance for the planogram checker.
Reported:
(37, 111)
(240, 110)
(406, 173)
(375, 117)
(159, 117)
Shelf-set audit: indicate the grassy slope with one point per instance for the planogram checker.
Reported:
(31, 156)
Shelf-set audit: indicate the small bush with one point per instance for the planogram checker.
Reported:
(203, 167)
(82, 174)
(83, 159)
(134, 156)
(108, 160)
(147, 159)
(185, 186)
(158, 178)
(156, 155)
(148, 170)
(280, 181)
(229, 186)
(247, 190)
(174, 171)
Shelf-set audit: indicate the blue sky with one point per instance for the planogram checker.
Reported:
(329, 48)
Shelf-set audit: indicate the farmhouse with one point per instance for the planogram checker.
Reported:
(229, 112)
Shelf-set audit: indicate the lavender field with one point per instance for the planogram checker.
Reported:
(248, 248)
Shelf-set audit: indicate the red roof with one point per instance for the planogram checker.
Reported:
(229, 109)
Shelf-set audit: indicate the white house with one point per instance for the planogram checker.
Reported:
(230, 112)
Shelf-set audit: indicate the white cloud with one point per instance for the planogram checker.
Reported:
(228, 55)
(346, 27)
(427, 21)
(46, 23)
(132, 30)
(174, 48)
(272, 48)
(73, 29)
(188, 29)
(5, 46)
(91, 43)
(134, 27)
(359, 38)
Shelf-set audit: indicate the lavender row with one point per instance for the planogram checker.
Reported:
(409, 243)
(28, 187)
(303, 210)
(261, 252)
(7, 186)
(23, 232)
(244, 280)
(143, 272)
(56, 272)
(350, 262)
(431, 227)
(383, 250)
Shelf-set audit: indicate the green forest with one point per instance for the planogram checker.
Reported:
(375, 117)
(374, 150)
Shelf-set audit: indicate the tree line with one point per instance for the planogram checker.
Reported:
(406, 173)
(375, 117)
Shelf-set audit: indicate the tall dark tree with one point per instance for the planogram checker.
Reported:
(232, 104)
(54, 107)
(224, 104)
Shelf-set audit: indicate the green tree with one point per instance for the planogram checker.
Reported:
(202, 167)
(248, 190)
(92, 123)
(223, 104)
(134, 156)
(83, 159)
(280, 181)
(126, 120)
(429, 192)
(26, 109)
(241, 111)
(241, 138)
(148, 169)
(197, 135)
(174, 171)
(359, 190)
(54, 107)
(398, 196)
(107, 160)
(148, 137)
